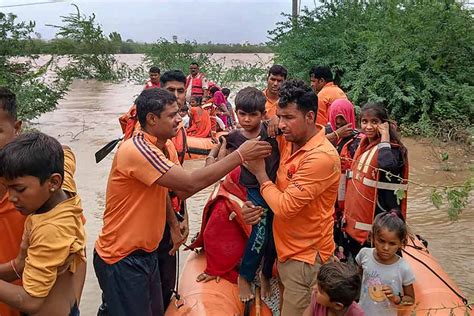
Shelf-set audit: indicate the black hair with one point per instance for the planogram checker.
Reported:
(155, 70)
(198, 99)
(321, 72)
(172, 75)
(213, 89)
(380, 112)
(340, 281)
(32, 154)
(393, 221)
(194, 63)
(152, 100)
(278, 70)
(250, 100)
(8, 102)
(184, 108)
(225, 91)
(299, 92)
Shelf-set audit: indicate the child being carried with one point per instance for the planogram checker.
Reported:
(250, 108)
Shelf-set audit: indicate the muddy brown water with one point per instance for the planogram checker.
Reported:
(87, 119)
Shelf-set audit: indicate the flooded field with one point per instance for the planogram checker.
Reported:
(88, 118)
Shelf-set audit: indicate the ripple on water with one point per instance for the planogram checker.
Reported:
(98, 106)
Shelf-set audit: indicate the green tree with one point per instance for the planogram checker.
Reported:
(414, 56)
(93, 57)
(36, 95)
(167, 55)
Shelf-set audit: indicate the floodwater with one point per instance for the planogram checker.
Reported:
(87, 119)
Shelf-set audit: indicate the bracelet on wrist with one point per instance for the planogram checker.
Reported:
(12, 263)
(240, 155)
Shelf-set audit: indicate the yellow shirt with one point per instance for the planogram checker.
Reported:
(55, 235)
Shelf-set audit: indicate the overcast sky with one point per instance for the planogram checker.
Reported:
(218, 21)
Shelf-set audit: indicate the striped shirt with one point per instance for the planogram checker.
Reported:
(135, 207)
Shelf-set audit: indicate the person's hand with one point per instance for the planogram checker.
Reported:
(184, 227)
(272, 128)
(222, 152)
(344, 131)
(254, 149)
(177, 238)
(257, 167)
(252, 214)
(20, 259)
(387, 290)
(204, 277)
(384, 132)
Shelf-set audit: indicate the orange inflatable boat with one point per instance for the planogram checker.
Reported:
(435, 292)
(198, 147)
(211, 298)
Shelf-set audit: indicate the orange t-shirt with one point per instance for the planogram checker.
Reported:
(200, 125)
(11, 228)
(326, 97)
(135, 208)
(303, 199)
(12, 222)
(270, 106)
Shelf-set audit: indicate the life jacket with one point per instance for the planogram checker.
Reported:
(179, 205)
(346, 162)
(211, 109)
(180, 143)
(128, 122)
(150, 85)
(196, 88)
(234, 195)
(362, 190)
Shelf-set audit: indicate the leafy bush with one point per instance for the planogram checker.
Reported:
(414, 56)
(167, 55)
(35, 93)
(94, 58)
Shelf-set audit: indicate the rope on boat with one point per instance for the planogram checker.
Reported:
(464, 300)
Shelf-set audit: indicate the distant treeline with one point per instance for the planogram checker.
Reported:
(117, 46)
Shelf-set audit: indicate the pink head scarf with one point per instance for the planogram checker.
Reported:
(219, 98)
(344, 108)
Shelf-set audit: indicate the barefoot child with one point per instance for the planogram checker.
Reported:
(338, 288)
(388, 279)
(250, 107)
(32, 169)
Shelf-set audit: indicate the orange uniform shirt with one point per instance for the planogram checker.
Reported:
(303, 199)
(326, 97)
(11, 228)
(135, 209)
(12, 222)
(270, 106)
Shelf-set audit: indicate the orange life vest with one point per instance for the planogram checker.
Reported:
(346, 162)
(235, 195)
(196, 88)
(128, 122)
(362, 190)
(180, 143)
